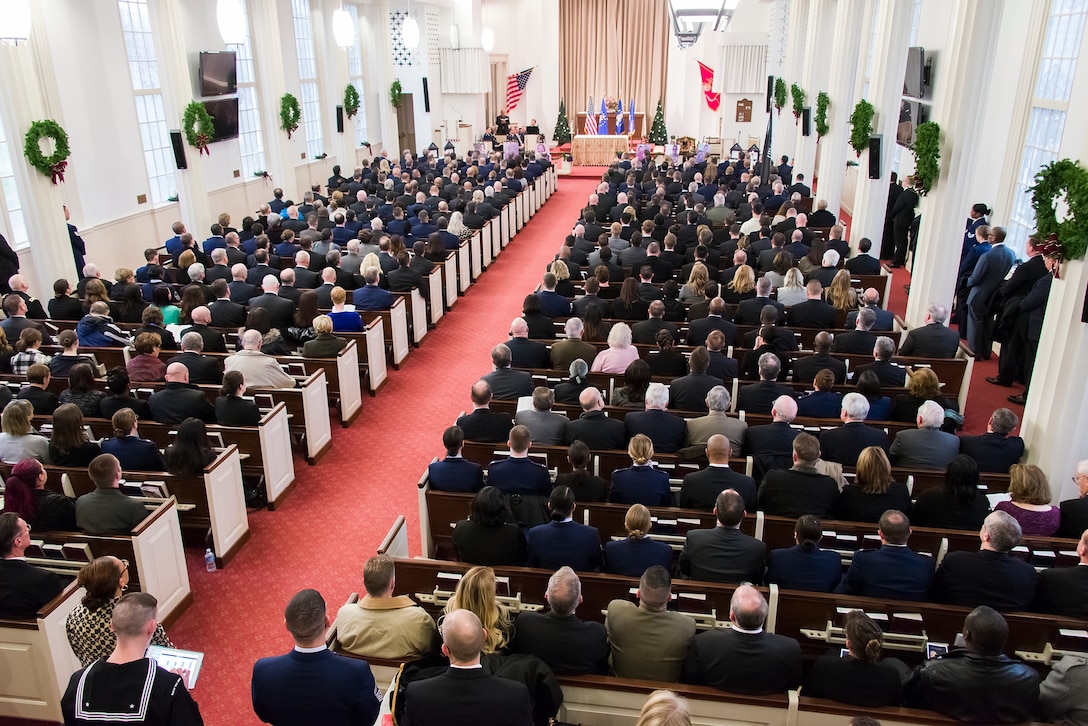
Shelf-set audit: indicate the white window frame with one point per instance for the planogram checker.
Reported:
(355, 77)
(250, 141)
(310, 93)
(12, 209)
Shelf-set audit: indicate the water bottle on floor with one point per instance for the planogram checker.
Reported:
(209, 560)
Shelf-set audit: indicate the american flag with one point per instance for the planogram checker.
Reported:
(515, 84)
(591, 120)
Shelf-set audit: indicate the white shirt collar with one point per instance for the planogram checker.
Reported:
(739, 629)
(318, 649)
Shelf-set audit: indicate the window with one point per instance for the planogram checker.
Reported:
(249, 114)
(355, 76)
(307, 76)
(1046, 120)
(873, 29)
(144, 70)
(16, 226)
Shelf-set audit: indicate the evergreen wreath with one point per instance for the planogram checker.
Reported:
(351, 100)
(927, 152)
(1063, 177)
(53, 165)
(395, 92)
(779, 94)
(198, 127)
(798, 96)
(290, 113)
(861, 126)
(822, 103)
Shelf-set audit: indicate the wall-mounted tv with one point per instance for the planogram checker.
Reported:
(218, 73)
(911, 115)
(224, 113)
(915, 80)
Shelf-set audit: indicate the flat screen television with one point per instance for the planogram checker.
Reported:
(911, 115)
(224, 113)
(218, 73)
(914, 80)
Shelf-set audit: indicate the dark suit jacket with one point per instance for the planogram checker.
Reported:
(793, 492)
(860, 342)
(701, 488)
(889, 572)
(863, 264)
(597, 431)
(890, 374)
(241, 292)
(722, 554)
(236, 411)
(281, 311)
(1074, 517)
(556, 544)
(771, 445)
(689, 393)
(213, 339)
(519, 475)
(820, 404)
(984, 578)
(646, 331)
(227, 314)
(748, 311)
(568, 645)
(755, 663)
(812, 314)
(175, 402)
(759, 397)
(1063, 591)
(467, 696)
(306, 279)
(640, 485)
(804, 567)
(930, 341)
(844, 444)
(666, 430)
(993, 452)
(44, 402)
(317, 687)
(25, 589)
(202, 369)
(885, 319)
(134, 453)
(525, 353)
(699, 329)
(507, 383)
(486, 425)
(454, 474)
(632, 557)
(805, 369)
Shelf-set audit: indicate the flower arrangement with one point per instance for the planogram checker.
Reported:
(610, 103)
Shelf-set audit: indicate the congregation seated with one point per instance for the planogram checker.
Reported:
(179, 399)
(190, 453)
(649, 641)
(490, 536)
(933, 339)
(81, 390)
(62, 363)
(801, 489)
(666, 430)
(926, 447)
(888, 373)
(668, 361)
(24, 588)
(807, 367)
(518, 474)
(546, 427)
(568, 646)
(619, 354)
(27, 353)
(759, 397)
(25, 495)
(539, 325)
(107, 509)
(637, 552)
(505, 382)
(201, 368)
(68, 441)
(860, 677)
(724, 553)
(995, 450)
(880, 406)
(822, 401)
(892, 571)
(96, 328)
(771, 445)
(1074, 512)
(844, 444)
(483, 424)
(640, 483)
(562, 542)
(700, 489)
(525, 353)
(260, 369)
(119, 395)
(689, 392)
(989, 576)
(586, 487)
(131, 452)
(805, 566)
(593, 427)
(1029, 502)
(636, 380)
(873, 491)
(18, 439)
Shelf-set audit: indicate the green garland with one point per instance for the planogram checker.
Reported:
(53, 165)
(290, 113)
(395, 93)
(351, 100)
(822, 102)
(927, 152)
(1068, 177)
(779, 94)
(198, 127)
(861, 126)
(798, 96)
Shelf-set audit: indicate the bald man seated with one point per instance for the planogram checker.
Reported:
(179, 400)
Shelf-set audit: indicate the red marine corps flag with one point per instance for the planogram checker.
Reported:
(713, 100)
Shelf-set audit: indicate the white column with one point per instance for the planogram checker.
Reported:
(834, 148)
(175, 79)
(378, 64)
(264, 37)
(786, 131)
(965, 67)
(885, 92)
(813, 80)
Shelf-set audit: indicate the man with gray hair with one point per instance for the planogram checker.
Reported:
(870, 298)
(926, 447)
(700, 430)
(525, 353)
(828, 268)
(240, 290)
(858, 341)
(506, 383)
(593, 427)
(548, 428)
(370, 296)
(1075, 511)
(260, 370)
(995, 451)
(989, 576)
(219, 270)
(666, 430)
(202, 369)
(568, 645)
(934, 339)
(566, 351)
(352, 261)
(744, 658)
(96, 329)
(281, 311)
(888, 373)
(648, 640)
(749, 311)
(760, 397)
(844, 444)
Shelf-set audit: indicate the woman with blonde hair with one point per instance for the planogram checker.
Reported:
(641, 483)
(95, 291)
(343, 320)
(922, 386)
(741, 287)
(620, 353)
(793, 289)
(18, 439)
(456, 226)
(840, 294)
(476, 592)
(631, 556)
(1030, 501)
(694, 290)
(873, 492)
(563, 286)
(664, 708)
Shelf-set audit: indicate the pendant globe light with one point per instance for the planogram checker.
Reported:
(343, 30)
(487, 39)
(231, 18)
(409, 31)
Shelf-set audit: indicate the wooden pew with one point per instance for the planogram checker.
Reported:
(418, 324)
(395, 329)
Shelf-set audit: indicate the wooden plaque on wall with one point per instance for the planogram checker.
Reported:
(744, 111)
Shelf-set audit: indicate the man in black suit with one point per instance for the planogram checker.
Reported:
(771, 445)
(893, 571)
(760, 397)
(775, 337)
(689, 392)
(744, 658)
(805, 369)
(219, 269)
(864, 263)
(724, 553)
(562, 542)
(989, 575)
(666, 430)
(859, 341)
(324, 290)
(821, 217)
(525, 353)
(1075, 511)
(661, 269)
(506, 383)
(568, 645)
(721, 367)
(482, 424)
(814, 312)
(801, 489)
(202, 369)
(591, 299)
(748, 311)
(467, 692)
(593, 427)
(240, 290)
(844, 444)
(178, 399)
(995, 451)
(281, 311)
(260, 268)
(698, 330)
(1064, 590)
(305, 278)
(213, 339)
(1012, 324)
(766, 257)
(888, 373)
(24, 589)
(455, 473)
(870, 298)
(645, 332)
(225, 313)
(934, 339)
(701, 488)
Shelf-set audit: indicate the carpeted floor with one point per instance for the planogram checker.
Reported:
(342, 508)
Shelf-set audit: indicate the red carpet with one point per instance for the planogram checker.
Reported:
(343, 507)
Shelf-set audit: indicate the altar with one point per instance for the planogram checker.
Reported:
(639, 132)
(594, 150)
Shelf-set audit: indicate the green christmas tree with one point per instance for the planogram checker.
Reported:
(562, 125)
(658, 134)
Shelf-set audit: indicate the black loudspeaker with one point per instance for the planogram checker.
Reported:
(339, 119)
(875, 144)
(178, 143)
(770, 92)
(806, 121)
(426, 96)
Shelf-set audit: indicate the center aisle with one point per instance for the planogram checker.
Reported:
(341, 509)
